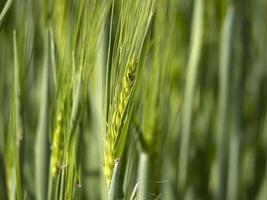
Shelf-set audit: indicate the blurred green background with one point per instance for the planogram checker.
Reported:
(199, 111)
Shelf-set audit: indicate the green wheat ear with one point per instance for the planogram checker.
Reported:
(57, 142)
(59, 130)
(114, 127)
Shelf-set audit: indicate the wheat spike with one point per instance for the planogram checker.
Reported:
(114, 125)
(56, 149)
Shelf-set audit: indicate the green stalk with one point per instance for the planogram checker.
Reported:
(50, 187)
(17, 134)
(143, 171)
(62, 184)
(233, 167)
(53, 59)
(235, 107)
(224, 65)
(41, 144)
(194, 58)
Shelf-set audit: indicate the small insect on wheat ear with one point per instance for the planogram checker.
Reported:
(131, 71)
(131, 76)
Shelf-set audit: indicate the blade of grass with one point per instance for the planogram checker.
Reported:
(133, 195)
(4, 11)
(113, 190)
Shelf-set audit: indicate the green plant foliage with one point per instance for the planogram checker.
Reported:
(133, 99)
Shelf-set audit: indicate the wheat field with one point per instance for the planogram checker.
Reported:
(133, 99)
